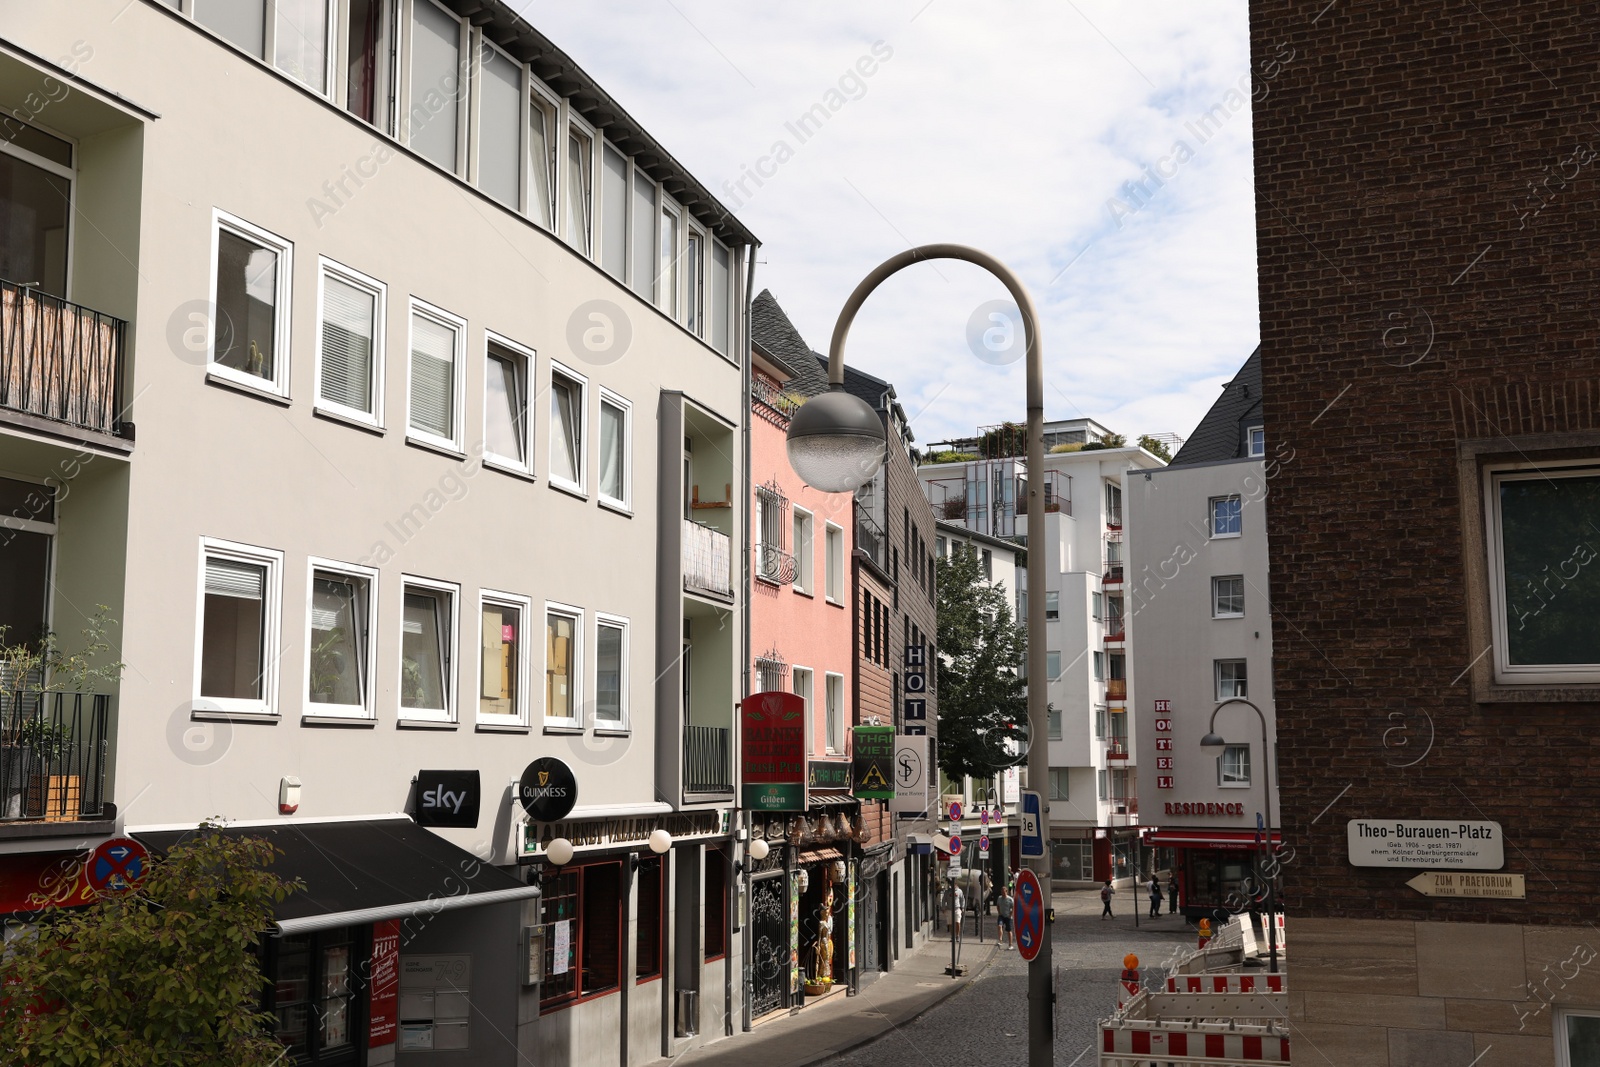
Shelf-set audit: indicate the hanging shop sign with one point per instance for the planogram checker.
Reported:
(547, 791)
(873, 768)
(773, 752)
(624, 830)
(912, 775)
(448, 798)
(830, 775)
(914, 713)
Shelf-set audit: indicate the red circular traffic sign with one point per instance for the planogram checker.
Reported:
(983, 843)
(115, 865)
(955, 844)
(1028, 907)
(955, 811)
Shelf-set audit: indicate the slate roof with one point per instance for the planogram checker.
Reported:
(1221, 434)
(777, 338)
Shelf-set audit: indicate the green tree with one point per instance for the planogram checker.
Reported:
(162, 975)
(982, 700)
(1156, 448)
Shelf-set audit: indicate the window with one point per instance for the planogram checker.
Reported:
(644, 236)
(1256, 438)
(250, 278)
(1104, 789)
(1053, 717)
(1114, 617)
(716, 898)
(804, 553)
(771, 676)
(1233, 766)
(1117, 665)
(1052, 604)
(563, 695)
(567, 430)
(614, 213)
(350, 344)
(720, 311)
(315, 993)
(438, 341)
(835, 711)
(585, 903)
(694, 284)
(300, 41)
(36, 174)
(370, 61)
(428, 651)
(649, 931)
(1052, 664)
(611, 672)
(1230, 679)
(616, 444)
(1578, 1037)
(502, 660)
(1226, 519)
(771, 516)
(1099, 666)
(1100, 724)
(939, 547)
(1058, 783)
(1544, 590)
(1097, 605)
(241, 22)
(1227, 597)
(667, 272)
(542, 145)
(507, 368)
(988, 568)
(802, 689)
(236, 668)
(579, 188)
(833, 563)
(340, 642)
(499, 133)
(436, 91)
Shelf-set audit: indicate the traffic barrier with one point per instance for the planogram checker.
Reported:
(1172, 1044)
(1130, 980)
(1227, 983)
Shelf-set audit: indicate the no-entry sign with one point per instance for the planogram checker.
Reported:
(1029, 909)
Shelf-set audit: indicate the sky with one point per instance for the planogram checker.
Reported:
(1015, 127)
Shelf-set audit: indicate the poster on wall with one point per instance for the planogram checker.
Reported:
(384, 989)
(562, 940)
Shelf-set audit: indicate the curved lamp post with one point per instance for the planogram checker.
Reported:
(837, 443)
(1214, 740)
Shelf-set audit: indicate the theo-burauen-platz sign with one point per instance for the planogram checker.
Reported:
(774, 752)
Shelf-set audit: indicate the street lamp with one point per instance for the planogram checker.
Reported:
(1212, 739)
(837, 443)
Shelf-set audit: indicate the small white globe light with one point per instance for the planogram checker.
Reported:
(758, 849)
(559, 852)
(660, 842)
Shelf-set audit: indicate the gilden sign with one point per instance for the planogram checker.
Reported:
(773, 751)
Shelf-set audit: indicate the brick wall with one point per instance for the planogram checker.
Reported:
(1416, 297)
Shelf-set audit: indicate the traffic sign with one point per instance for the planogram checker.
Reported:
(1032, 809)
(955, 811)
(983, 844)
(116, 864)
(955, 844)
(1029, 911)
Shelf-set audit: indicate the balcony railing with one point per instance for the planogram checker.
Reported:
(774, 565)
(706, 767)
(1114, 517)
(52, 756)
(870, 539)
(706, 560)
(59, 361)
(766, 391)
(1117, 689)
(1115, 629)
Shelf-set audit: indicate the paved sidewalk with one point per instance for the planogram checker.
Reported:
(840, 1023)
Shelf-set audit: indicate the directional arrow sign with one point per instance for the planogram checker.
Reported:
(1469, 884)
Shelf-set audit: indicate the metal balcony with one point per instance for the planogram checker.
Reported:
(706, 560)
(774, 565)
(706, 764)
(53, 753)
(60, 362)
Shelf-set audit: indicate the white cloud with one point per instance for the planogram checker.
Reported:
(1004, 126)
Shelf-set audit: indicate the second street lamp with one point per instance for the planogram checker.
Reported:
(836, 444)
(1212, 739)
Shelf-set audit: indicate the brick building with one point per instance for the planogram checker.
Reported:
(1425, 212)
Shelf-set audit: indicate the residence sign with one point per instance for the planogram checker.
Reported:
(1472, 846)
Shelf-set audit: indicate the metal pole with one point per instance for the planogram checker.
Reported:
(1041, 990)
(1266, 777)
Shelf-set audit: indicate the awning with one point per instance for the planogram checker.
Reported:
(818, 798)
(819, 855)
(365, 871)
(1234, 839)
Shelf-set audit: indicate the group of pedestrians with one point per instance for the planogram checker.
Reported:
(1154, 885)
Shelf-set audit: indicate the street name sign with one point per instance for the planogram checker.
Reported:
(1460, 884)
(1472, 846)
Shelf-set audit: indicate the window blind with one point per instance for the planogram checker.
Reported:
(433, 358)
(226, 577)
(348, 332)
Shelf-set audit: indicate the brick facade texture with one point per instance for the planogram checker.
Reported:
(1428, 269)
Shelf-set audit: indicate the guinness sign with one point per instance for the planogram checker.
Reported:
(547, 790)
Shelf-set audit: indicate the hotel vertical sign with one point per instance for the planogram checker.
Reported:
(915, 712)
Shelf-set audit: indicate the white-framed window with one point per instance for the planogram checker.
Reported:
(543, 155)
(1227, 597)
(563, 665)
(667, 260)
(299, 33)
(428, 649)
(801, 685)
(1053, 723)
(1052, 664)
(433, 391)
(694, 281)
(1052, 604)
(614, 213)
(804, 552)
(1227, 516)
(642, 236)
(1233, 767)
(498, 129)
(251, 274)
(1099, 724)
(833, 562)
(350, 336)
(834, 698)
(238, 628)
(1231, 680)
(508, 368)
(616, 450)
(371, 55)
(1058, 783)
(1097, 605)
(341, 603)
(1544, 571)
(1256, 439)
(503, 658)
(610, 672)
(437, 89)
(719, 312)
(569, 428)
(1103, 776)
(1577, 1036)
(1099, 666)
(577, 183)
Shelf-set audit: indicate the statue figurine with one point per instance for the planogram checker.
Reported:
(825, 937)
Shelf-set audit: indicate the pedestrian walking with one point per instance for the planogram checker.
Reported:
(1003, 905)
(1106, 892)
(1172, 893)
(1155, 896)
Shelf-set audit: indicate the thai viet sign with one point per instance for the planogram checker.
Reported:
(1473, 846)
(773, 752)
(873, 774)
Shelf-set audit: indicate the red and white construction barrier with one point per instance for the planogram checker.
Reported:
(1155, 1040)
(1225, 983)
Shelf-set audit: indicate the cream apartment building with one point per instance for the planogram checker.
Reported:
(363, 358)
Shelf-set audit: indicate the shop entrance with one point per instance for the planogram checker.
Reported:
(769, 938)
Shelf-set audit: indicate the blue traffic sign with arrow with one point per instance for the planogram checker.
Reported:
(115, 865)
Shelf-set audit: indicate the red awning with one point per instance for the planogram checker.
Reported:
(1244, 839)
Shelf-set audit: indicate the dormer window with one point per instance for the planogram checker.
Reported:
(1256, 440)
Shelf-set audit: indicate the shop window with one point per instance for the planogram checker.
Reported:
(582, 908)
(314, 994)
(716, 898)
(1578, 1038)
(649, 925)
